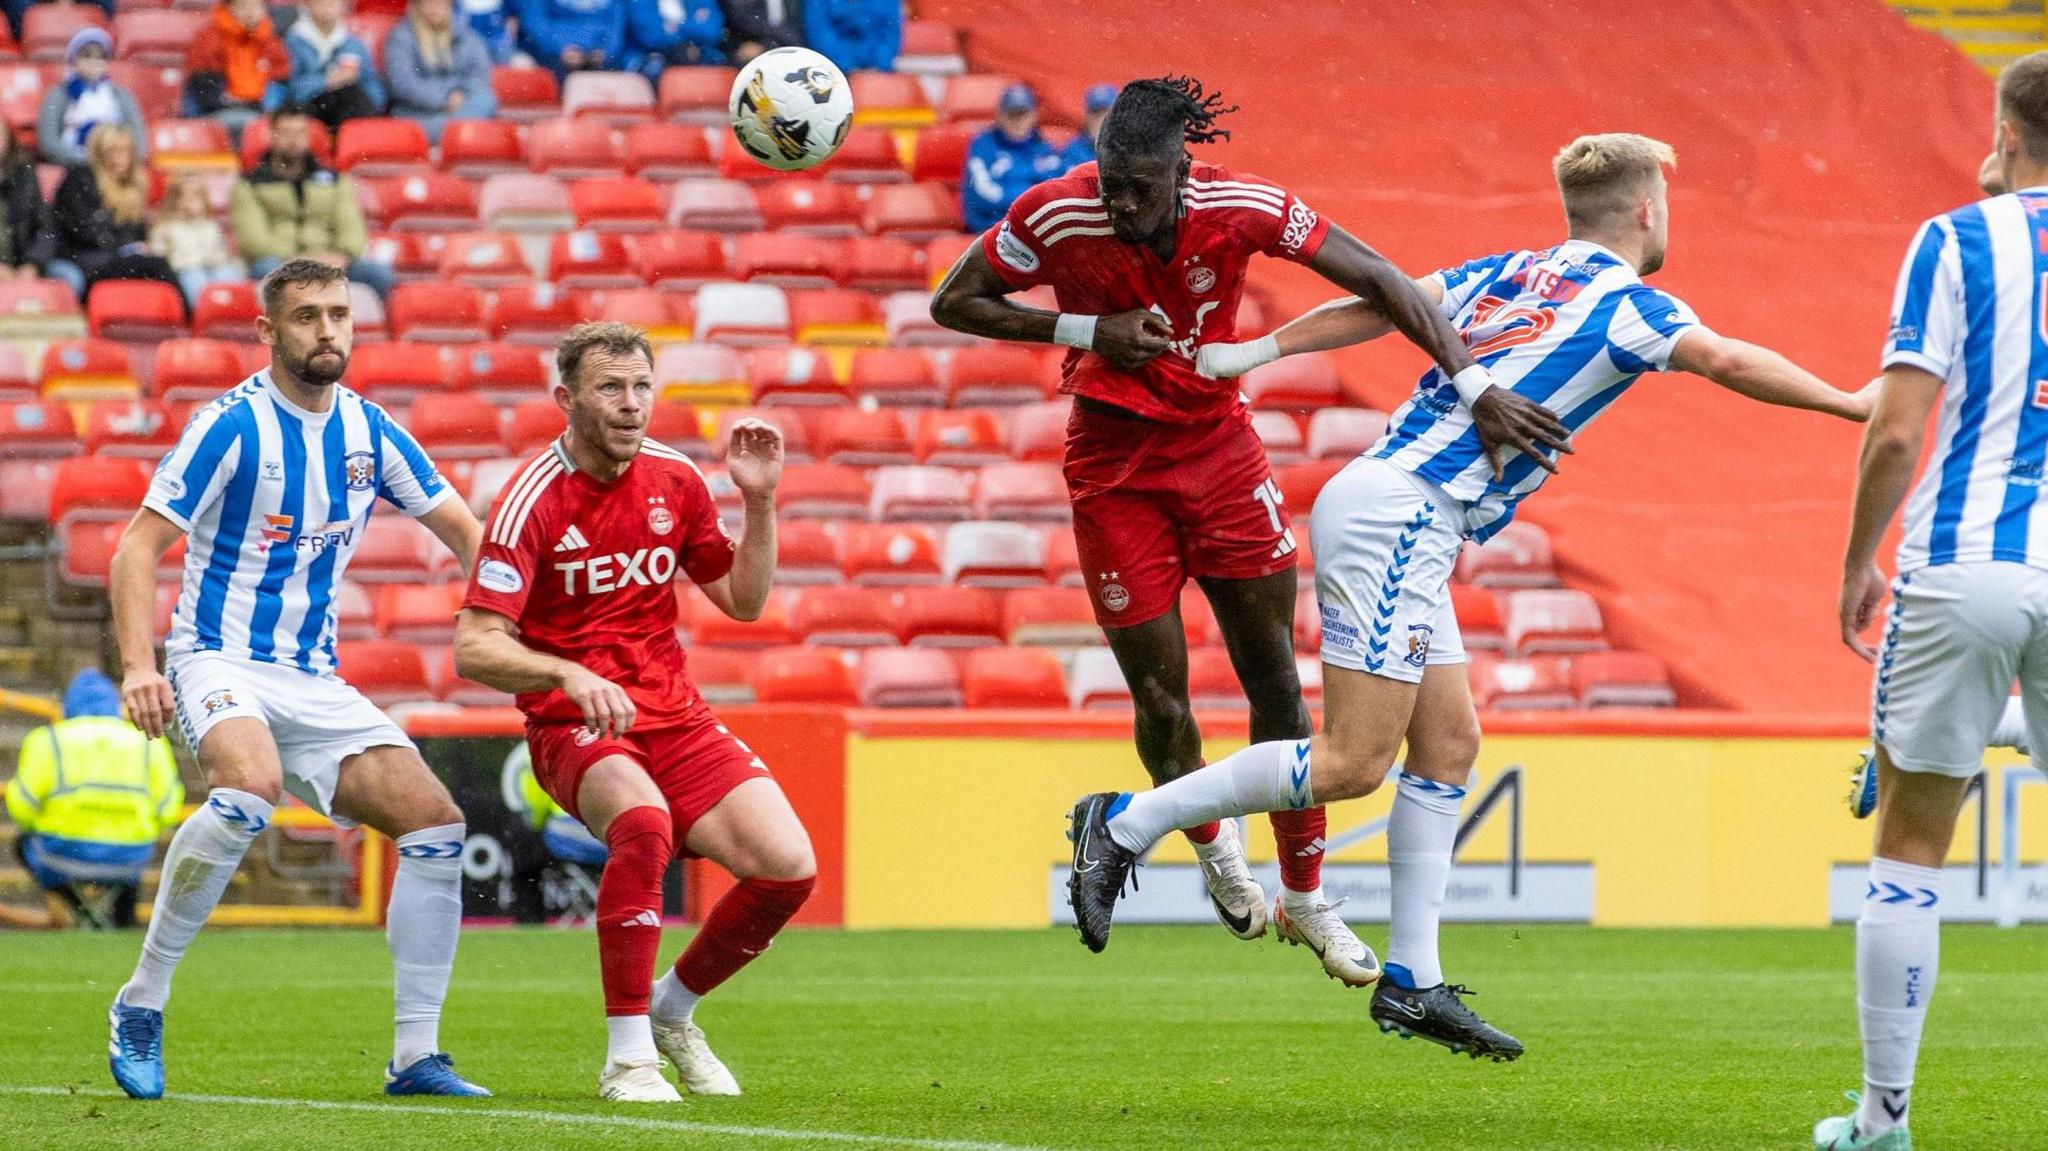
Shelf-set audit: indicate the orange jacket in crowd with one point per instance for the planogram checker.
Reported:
(249, 58)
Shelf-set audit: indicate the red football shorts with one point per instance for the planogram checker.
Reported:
(1156, 504)
(695, 764)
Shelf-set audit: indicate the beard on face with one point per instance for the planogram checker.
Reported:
(596, 430)
(318, 369)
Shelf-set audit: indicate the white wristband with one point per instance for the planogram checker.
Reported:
(1227, 361)
(1472, 383)
(1075, 331)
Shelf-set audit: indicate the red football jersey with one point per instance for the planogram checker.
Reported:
(1058, 233)
(587, 570)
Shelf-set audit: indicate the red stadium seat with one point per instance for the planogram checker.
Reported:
(501, 373)
(25, 486)
(437, 313)
(1000, 555)
(889, 100)
(619, 97)
(1280, 433)
(822, 491)
(15, 383)
(667, 152)
(394, 549)
(950, 617)
(806, 553)
(995, 375)
(803, 675)
(482, 260)
(418, 613)
(930, 48)
(1518, 555)
(799, 376)
(941, 154)
(1013, 677)
(1308, 622)
(700, 372)
(396, 373)
(37, 429)
(1212, 682)
(570, 149)
(888, 555)
(1478, 615)
(742, 314)
(1050, 616)
(867, 156)
(195, 369)
(896, 377)
(591, 260)
(918, 493)
(722, 677)
(973, 98)
(1096, 683)
(39, 309)
(1022, 491)
(1344, 433)
(796, 440)
(530, 312)
(227, 311)
(1552, 620)
(142, 429)
(913, 212)
(1298, 382)
(678, 260)
(524, 202)
(829, 316)
(381, 146)
(47, 28)
(457, 427)
(861, 438)
(256, 141)
(423, 201)
(906, 677)
(160, 37)
(526, 94)
(1063, 560)
(1519, 685)
(389, 673)
(355, 615)
(710, 626)
(786, 259)
(411, 256)
(845, 617)
(85, 552)
(135, 310)
(908, 317)
(532, 425)
(665, 317)
(1621, 679)
(184, 145)
(813, 207)
(697, 95)
(957, 438)
(97, 488)
(1300, 483)
(882, 264)
(87, 369)
(714, 205)
(1038, 432)
(474, 149)
(1198, 618)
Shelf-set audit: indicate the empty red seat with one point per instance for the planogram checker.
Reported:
(892, 555)
(666, 151)
(1013, 677)
(866, 156)
(85, 552)
(812, 206)
(950, 617)
(792, 376)
(531, 312)
(714, 205)
(882, 264)
(1000, 555)
(25, 487)
(526, 94)
(803, 675)
(701, 372)
(87, 368)
(617, 204)
(913, 212)
(1050, 617)
(47, 28)
(863, 438)
(482, 259)
(1478, 618)
(908, 677)
(742, 314)
(1039, 431)
(419, 613)
(918, 493)
(395, 373)
(973, 97)
(1301, 483)
(394, 549)
(806, 553)
(1518, 555)
(380, 146)
(1212, 682)
(1519, 684)
(930, 48)
(680, 427)
(1342, 433)
(614, 96)
(1022, 491)
(437, 313)
(524, 202)
(227, 311)
(957, 438)
(473, 149)
(1621, 679)
(156, 36)
(1096, 683)
(423, 201)
(386, 671)
(458, 426)
(680, 260)
(896, 377)
(571, 149)
(786, 259)
(591, 260)
(97, 488)
(1281, 435)
(722, 677)
(38, 309)
(844, 617)
(822, 491)
(196, 369)
(708, 625)
(37, 429)
(135, 310)
(142, 429)
(696, 94)
(889, 100)
(1552, 620)
(941, 153)
(994, 374)
(531, 425)
(836, 316)
(1308, 380)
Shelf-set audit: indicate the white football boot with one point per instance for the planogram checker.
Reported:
(1320, 929)
(1238, 899)
(699, 1071)
(636, 1083)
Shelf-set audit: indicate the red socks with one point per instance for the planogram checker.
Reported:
(1299, 836)
(629, 906)
(1205, 834)
(739, 928)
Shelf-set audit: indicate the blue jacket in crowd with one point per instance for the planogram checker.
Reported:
(548, 26)
(999, 170)
(309, 69)
(664, 32)
(492, 20)
(855, 33)
(1079, 150)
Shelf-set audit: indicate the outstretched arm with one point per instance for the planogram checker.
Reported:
(1349, 263)
(1762, 374)
(1337, 323)
(1891, 449)
(973, 299)
(754, 463)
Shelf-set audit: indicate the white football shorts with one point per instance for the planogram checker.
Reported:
(317, 720)
(1955, 639)
(1384, 546)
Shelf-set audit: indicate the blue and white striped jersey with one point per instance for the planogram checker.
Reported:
(1969, 309)
(1570, 327)
(274, 499)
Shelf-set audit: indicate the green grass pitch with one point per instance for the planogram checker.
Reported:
(1176, 1038)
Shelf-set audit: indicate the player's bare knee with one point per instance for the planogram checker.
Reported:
(260, 779)
(1349, 768)
(787, 862)
(1446, 756)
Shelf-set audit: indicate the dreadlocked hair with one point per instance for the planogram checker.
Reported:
(1154, 116)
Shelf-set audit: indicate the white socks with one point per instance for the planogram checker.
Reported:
(202, 858)
(672, 1001)
(1420, 834)
(630, 1039)
(421, 927)
(1262, 777)
(1301, 902)
(1898, 950)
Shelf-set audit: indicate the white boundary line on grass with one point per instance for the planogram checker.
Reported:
(571, 1118)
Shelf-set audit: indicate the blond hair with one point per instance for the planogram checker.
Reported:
(123, 198)
(1604, 175)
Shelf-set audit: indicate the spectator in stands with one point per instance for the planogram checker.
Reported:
(1005, 160)
(495, 23)
(662, 33)
(855, 33)
(237, 67)
(16, 8)
(1095, 106)
(438, 68)
(84, 100)
(573, 35)
(90, 795)
(291, 206)
(333, 77)
(26, 242)
(189, 239)
(754, 26)
(100, 216)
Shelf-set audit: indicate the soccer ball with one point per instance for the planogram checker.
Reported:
(791, 108)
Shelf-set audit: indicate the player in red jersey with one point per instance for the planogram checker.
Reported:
(1146, 253)
(573, 607)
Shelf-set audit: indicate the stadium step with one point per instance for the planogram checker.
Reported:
(1993, 33)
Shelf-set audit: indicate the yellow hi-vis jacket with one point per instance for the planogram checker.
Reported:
(95, 779)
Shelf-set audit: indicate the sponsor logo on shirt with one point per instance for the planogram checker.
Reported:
(499, 576)
(172, 487)
(277, 530)
(1905, 334)
(1013, 252)
(603, 574)
(1301, 220)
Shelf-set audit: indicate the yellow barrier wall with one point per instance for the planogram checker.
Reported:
(1681, 830)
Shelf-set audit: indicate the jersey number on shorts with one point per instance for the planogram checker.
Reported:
(1269, 494)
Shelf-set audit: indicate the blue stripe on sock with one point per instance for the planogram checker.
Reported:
(1401, 976)
(1116, 806)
